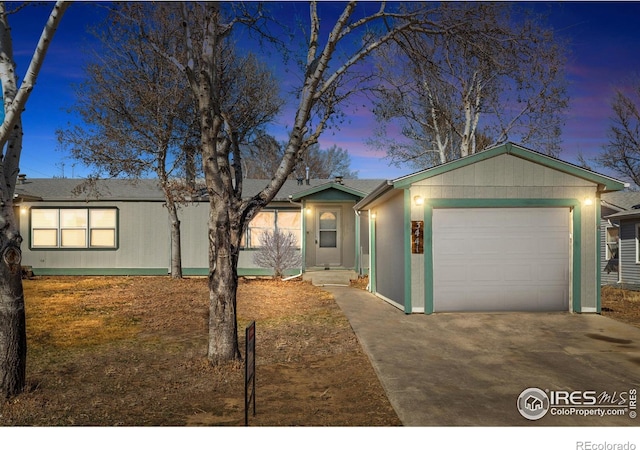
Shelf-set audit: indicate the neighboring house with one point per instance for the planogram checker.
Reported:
(124, 230)
(620, 238)
(506, 229)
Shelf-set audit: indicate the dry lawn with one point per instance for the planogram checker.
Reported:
(622, 305)
(130, 351)
(110, 351)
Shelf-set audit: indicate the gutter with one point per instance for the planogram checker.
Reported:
(382, 189)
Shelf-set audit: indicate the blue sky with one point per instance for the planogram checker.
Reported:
(605, 49)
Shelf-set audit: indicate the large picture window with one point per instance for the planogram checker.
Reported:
(73, 228)
(269, 220)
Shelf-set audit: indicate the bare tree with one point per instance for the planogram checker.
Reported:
(262, 157)
(328, 78)
(490, 79)
(13, 340)
(278, 251)
(138, 117)
(622, 153)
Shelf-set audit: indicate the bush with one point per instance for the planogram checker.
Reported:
(278, 251)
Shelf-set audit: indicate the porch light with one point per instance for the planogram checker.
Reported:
(373, 216)
(418, 200)
(23, 210)
(588, 201)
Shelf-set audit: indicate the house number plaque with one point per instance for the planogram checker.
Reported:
(417, 236)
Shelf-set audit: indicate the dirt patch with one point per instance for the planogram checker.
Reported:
(621, 304)
(131, 351)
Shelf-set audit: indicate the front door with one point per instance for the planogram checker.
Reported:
(328, 248)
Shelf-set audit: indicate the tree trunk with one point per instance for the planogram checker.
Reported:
(223, 286)
(13, 336)
(176, 246)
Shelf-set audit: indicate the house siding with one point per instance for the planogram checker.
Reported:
(389, 225)
(144, 246)
(628, 256)
(140, 246)
(612, 277)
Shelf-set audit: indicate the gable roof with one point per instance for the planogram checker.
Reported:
(69, 189)
(608, 183)
(621, 200)
(604, 182)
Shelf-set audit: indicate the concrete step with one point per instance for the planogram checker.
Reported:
(330, 277)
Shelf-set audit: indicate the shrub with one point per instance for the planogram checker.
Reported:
(278, 251)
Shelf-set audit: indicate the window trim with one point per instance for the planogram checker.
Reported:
(88, 229)
(607, 252)
(637, 227)
(274, 226)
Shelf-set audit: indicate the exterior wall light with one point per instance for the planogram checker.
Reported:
(373, 216)
(587, 201)
(418, 200)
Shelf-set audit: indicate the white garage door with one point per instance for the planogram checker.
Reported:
(501, 259)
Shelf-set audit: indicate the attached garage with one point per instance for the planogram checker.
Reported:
(507, 229)
(501, 259)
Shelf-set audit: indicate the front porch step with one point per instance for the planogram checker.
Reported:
(330, 277)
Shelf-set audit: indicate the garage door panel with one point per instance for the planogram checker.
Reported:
(484, 273)
(509, 259)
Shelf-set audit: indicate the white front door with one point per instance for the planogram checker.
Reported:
(328, 248)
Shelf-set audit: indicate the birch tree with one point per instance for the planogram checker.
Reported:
(621, 154)
(13, 342)
(327, 79)
(496, 77)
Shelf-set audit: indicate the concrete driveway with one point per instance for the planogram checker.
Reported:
(469, 369)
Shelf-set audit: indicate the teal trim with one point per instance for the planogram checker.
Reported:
(257, 272)
(126, 271)
(407, 252)
(428, 259)
(577, 258)
(573, 204)
(501, 202)
(186, 271)
(372, 254)
(598, 215)
(333, 196)
(512, 149)
(358, 244)
(303, 237)
(327, 187)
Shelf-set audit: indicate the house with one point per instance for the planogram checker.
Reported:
(506, 229)
(123, 228)
(620, 238)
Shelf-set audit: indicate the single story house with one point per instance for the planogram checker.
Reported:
(620, 239)
(506, 229)
(123, 228)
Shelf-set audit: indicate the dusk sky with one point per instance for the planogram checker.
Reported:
(604, 51)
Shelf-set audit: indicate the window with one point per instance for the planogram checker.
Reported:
(270, 220)
(328, 229)
(612, 242)
(73, 228)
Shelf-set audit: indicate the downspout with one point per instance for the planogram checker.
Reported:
(302, 237)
